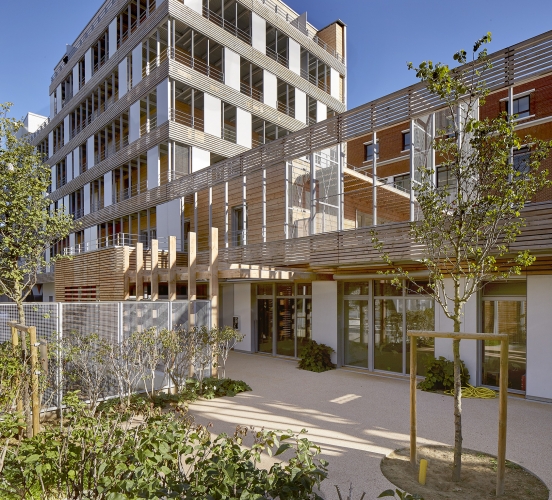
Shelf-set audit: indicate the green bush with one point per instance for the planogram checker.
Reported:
(440, 375)
(316, 357)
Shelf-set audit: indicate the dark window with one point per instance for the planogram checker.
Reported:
(369, 151)
(443, 177)
(521, 106)
(238, 226)
(521, 160)
(406, 140)
(402, 182)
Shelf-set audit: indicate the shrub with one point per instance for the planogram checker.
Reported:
(316, 357)
(440, 375)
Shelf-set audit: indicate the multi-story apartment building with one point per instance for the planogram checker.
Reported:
(279, 236)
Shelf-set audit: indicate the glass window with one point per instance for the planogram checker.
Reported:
(357, 331)
(304, 289)
(406, 140)
(402, 182)
(284, 290)
(386, 289)
(357, 288)
(369, 151)
(521, 160)
(388, 335)
(304, 320)
(239, 226)
(264, 289)
(420, 315)
(521, 106)
(414, 289)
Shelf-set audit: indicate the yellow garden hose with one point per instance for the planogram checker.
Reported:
(474, 392)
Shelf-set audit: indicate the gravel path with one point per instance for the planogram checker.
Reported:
(358, 418)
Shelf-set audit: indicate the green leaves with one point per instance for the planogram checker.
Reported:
(316, 357)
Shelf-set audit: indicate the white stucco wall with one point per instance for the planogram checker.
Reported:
(258, 33)
(76, 81)
(49, 292)
(108, 189)
(244, 128)
(163, 102)
(270, 89)
(334, 83)
(123, 77)
(294, 58)
(90, 153)
(134, 122)
(87, 65)
(153, 167)
(300, 106)
(136, 65)
(200, 159)
(112, 38)
(231, 69)
(324, 314)
(212, 115)
(321, 111)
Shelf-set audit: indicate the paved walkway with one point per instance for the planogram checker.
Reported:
(358, 418)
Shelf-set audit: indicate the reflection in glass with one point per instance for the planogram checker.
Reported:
(357, 330)
(264, 315)
(304, 316)
(388, 335)
(505, 316)
(285, 327)
(357, 288)
(385, 288)
(420, 315)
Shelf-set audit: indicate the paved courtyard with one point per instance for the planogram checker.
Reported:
(358, 418)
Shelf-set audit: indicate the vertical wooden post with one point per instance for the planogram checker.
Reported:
(172, 268)
(502, 417)
(126, 265)
(413, 423)
(214, 287)
(15, 343)
(154, 270)
(35, 397)
(139, 271)
(192, 289)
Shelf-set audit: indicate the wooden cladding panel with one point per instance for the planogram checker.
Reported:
(275, 202)
(254, 187)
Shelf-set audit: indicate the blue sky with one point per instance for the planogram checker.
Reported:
(383, 35)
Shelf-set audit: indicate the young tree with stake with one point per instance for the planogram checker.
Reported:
(466, 227)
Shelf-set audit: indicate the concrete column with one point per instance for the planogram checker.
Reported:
(270, 90)
(242, 309)
(334, 83)
(300, 106)
(76, 79)
(136, 65)
(154, 270)
(153, 167)
(213, 280)
(324, 314)
(87, 65)
(212, 112)
(258, 32)
(172, 268)
(112, 38)
(123, 77)
(294, 58)
(134, 122)
(163, 101)
(192, 288)
(108, 189)
(244, 128)
(200, 159)
(231, 69)
(539, 340)
(90, 153)
(139, 271)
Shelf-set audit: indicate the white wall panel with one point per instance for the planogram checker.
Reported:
(58, 98)
(212, 118)
(169, 220)
(123, 77)
(86, 198)
(51, 144)
(321, 111)
(108, 189)
(53, 170)
(90, 153)
(66, 130)
(49, 292)
(163, 90)
(52, 104)
(76, 162)
(112, 38)
(270, 89)
(200, 159)
(324, 314)
(242, 309)
(66, 204)
(72, 240)
(231, 69)
(69, 166)
(258, 33)
(90, 237)
(539, 338)
(136, 65)
(334, 83)
(294, 56)
(76, 79)
(87, 65)
(196, 5)
(153, 167)
(300, 106)
(134, 122)
(244, 128)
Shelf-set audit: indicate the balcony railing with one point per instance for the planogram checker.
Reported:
(227, 25)
(100, 63)
(129, 192)
(119, 240)
(284, 108)
(251, 92)
(199, 65)
(148, 126)
(228, 133)
(78, 213)
(96, 205)
(277, 57)
(187, 119)
(92, 116)
(315, 81)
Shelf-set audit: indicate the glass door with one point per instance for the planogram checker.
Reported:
(265, 309)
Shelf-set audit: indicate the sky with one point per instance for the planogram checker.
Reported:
(383, 35)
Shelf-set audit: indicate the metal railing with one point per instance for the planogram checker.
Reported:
(228, 133)
(78, 213)
(104, 106)
(227, 25)
(284, 108)
(322, 85)
(96, 205)
(100, 63)
(148, 126)
(129, 192)
(187, 119)
(251, 92)
(120, 240)
(277, 57)
(199, 65)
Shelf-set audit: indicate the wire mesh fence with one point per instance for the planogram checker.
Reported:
(112, 322)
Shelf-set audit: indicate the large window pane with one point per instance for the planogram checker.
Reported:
(357, 330)
(505, 316)
(357, 288)
(386, 289)
(304, 316)
(285, 327)
(420, 315)
(388, 335)
(264, 314)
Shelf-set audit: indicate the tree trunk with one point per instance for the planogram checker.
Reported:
(25, 396)
(457, 470)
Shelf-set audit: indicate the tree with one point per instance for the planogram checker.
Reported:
(27, 226)
(466, 227)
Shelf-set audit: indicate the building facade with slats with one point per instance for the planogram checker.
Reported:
(207, 154)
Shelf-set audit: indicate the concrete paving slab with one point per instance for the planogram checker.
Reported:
(358, 418)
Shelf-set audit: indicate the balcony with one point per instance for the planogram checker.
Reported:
(148, 126)
(197, 64)
(315, 81)
(228, 133)
(284, 108)
(187, 119)
(277, 57)
(251, 92)
(226, 25)
(96, 205)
